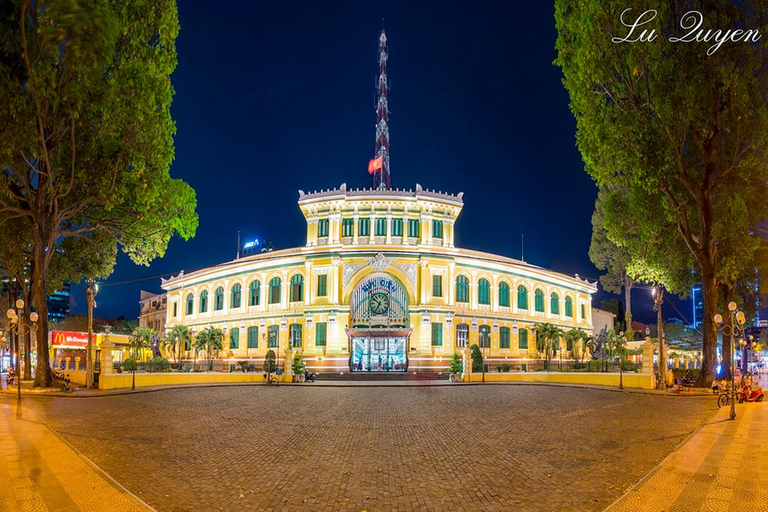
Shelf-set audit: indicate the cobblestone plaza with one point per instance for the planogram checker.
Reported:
(307, 447)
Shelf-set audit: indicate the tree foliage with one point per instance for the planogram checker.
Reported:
(547, 339)
(679, 137)
(87, 138)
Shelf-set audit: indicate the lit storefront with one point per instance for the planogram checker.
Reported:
(379, 286)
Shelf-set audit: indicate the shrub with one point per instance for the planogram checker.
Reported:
(456, 364)
(298, 365)
(269, 362)
(158, 364)
(243, 365)
(129, 365)
(595, 365)
(504, 367)
(629, 366)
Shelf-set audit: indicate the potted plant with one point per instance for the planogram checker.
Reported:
(243, 365)
(298, 369)
(456, 368)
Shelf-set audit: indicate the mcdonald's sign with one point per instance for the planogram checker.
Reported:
(69, 339)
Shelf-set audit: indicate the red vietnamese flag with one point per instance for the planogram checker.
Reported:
(375, 164)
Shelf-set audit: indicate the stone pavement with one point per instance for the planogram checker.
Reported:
(721, 467)
(434, 448)
(41, 472)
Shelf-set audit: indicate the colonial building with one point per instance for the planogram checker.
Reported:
(152, 310)
(379, 286)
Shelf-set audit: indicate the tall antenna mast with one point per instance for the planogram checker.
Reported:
(381, 176)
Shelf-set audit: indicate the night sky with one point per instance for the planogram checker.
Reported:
(272, 97)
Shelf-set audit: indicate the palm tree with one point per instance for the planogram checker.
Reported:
(179, 336)
(142, 339)
(572, 339)
(546, 336)
(209, 340)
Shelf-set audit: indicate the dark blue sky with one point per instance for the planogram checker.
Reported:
(272, 97)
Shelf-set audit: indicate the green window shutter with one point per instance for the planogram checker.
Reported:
(413, 228)
(504, 337)
(364, 227)
(321, 334)
(322, 228)
(437, 334)
(437, 286)
(218, 299)
(273, 335)
(204, 301)
(503, 294)
(397, 227)
(190, 303)
(539, 300)
(554, 304)
(348, 227)
(234, 338)
(584, 314)
(297, 288)
(522, 297)
(322, 285)
(483, 292)
(523, 338)
(462, 289)
(568, 307)
(253, 336)
(437, 229)
(381, 227)
(274, 290)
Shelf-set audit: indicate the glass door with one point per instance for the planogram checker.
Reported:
(378, 354)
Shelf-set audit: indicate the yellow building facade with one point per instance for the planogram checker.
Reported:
(379, 286)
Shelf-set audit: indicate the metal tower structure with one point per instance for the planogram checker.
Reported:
(381, 176)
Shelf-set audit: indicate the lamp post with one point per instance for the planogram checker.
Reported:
(19, 326)
(621, 359)
(90, 293)
(134, 343)
(735, 328)
(658, 297)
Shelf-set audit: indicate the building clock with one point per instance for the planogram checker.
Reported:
(379, 303)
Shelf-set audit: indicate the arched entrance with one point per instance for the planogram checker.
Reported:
(379, 327)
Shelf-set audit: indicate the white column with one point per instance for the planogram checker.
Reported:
(389, 228)
(307, 282)
(355, 228)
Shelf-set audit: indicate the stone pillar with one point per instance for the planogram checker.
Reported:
(677, 362)
(467, 361)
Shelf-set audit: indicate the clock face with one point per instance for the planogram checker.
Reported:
(379, 303)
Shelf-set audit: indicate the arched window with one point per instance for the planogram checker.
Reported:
(236, 293)
(218, 299)
(295, 331)
(522, 297)
(569, 307)
(462, 335)
(484, 336)
(538, 300)
(554, 304)
(522, 338)
(504, 294)
(254, 293)
(483, 291)
(190, 302)
(297, 288)
(204, 301)
(274, 290)
(462, 289)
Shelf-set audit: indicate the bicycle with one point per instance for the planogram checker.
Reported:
(724, 397)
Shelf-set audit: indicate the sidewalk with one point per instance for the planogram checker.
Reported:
(722, 466)
(41, 472)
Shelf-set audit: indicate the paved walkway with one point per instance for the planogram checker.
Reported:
(722, 467)
(41, 472)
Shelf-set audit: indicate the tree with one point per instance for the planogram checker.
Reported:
(572, 338)
(614, 259)
(209, 340)
(683, 128)
(270, 365)
(547, 339)
(477, 358)
(179, 336)
(456, 365)
(617, 345)
(87, 139)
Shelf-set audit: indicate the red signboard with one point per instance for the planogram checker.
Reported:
(69, 339)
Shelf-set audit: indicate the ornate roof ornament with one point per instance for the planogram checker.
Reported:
(380, 262)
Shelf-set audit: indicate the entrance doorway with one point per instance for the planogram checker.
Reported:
(378, 354)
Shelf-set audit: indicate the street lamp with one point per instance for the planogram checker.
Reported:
(735, 328)
(658, 296)
(19, 326)
(621, 359)
(134, 344)
(90, 292)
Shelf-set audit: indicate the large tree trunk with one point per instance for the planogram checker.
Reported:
(726, 292)
(709, 296)
(27, 336)
(43, 374)
(628, 285)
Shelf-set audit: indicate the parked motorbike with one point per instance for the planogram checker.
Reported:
(309, 376)
(11, 376)
(750, 394)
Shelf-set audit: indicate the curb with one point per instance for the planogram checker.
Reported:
(359, 384)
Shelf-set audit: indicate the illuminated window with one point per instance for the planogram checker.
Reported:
(484, 336)
(297, 288)
(462, 335)
(273, 335)
(254, 293)
(274, 290)
(236, 293)
(295, 333)
(218, 299)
